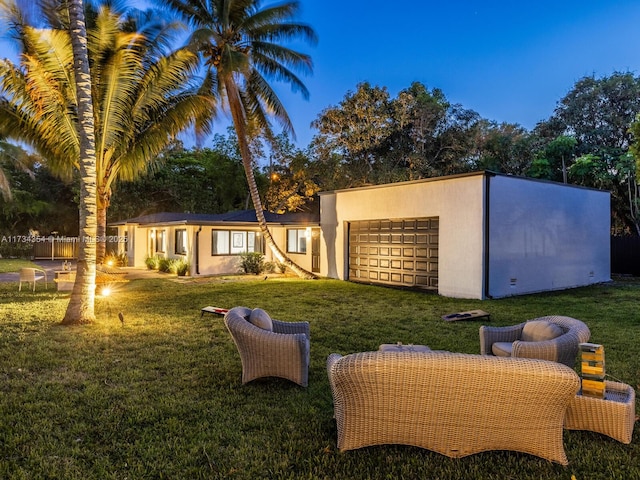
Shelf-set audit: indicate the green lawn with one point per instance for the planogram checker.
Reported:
(160, 396)
(15, 264)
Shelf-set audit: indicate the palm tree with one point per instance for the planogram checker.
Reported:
(143, 97)
(239, 42)
(82, 301)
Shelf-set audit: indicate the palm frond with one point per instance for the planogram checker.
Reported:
(267, 99)
(273, 65)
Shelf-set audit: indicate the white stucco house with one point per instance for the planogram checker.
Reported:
(212, 243)
(479, 235)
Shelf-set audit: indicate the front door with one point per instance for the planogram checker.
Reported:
(315, 250)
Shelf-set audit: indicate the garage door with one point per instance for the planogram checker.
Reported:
(395, 252)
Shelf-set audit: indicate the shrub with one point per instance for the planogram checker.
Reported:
(165, 264)
(252, 262)
(180, 267)
(152, 263)
(10, 249)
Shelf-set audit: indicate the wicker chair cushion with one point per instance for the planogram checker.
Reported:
(261, 319)
(539, 331)
(502, 349)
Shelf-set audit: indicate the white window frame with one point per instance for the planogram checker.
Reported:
(297, 240)
(161, 241)
(180, 247)
(235, 242)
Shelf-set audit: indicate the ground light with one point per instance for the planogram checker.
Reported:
(105, 292)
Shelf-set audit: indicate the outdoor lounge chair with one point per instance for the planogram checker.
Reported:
(32, 275)
(455, 404)
(268, 347)
(554, 338)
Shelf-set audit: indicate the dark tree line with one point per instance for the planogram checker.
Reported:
(591, 139)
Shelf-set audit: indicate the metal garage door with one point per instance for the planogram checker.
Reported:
(395, 252)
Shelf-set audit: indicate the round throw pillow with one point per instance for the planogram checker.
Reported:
(261, 319)
(539, 331)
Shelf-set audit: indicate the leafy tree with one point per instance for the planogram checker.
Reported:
(432, 137)
(370, 138)
(143, 96)
(291, 187)
(40, 203)
(505, 148)
(597, 112)
(13, 155)
(633, 168)
(557, 155)
(240, 42)
(357, 132)
(589, 170)
(198, 180)
(620, 179)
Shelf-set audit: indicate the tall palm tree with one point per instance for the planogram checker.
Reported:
(81, 304)
(143, 96)
(240, 43)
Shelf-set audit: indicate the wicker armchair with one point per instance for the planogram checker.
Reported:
(282, 352)
(452, 403)
(562, 349)
(31, 276)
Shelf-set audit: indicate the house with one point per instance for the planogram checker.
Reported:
(479, 235)
(211, 243)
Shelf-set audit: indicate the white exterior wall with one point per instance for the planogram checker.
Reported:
(214, 264)
(546, 236)
(140, 247)
(136, 247)
(457, 201)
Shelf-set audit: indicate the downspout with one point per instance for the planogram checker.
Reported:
(487, 237)
(196, 254)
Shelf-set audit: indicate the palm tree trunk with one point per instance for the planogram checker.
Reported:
(101, 244)
(238, 117)
(81, 304)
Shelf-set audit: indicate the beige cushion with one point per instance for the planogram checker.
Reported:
(261, 319)
(539, 331)
(502, 349)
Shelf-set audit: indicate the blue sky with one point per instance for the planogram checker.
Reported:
(510, 61)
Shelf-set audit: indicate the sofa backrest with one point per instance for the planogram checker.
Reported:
(453, 403)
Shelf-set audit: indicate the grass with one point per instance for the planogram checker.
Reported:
(160, 395)
(15, 264)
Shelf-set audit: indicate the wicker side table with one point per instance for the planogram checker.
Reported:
(613, 415)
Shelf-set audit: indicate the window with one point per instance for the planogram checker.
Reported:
(181, 242)
(234, 242)
(160, 241)
(297, 240)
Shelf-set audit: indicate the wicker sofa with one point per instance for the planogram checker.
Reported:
(282, 351)
(452, 403)
(563, 348)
